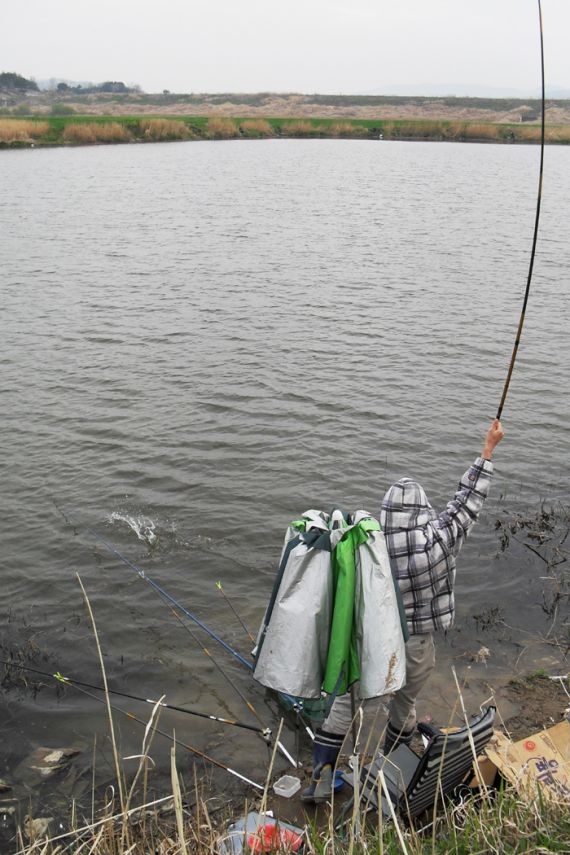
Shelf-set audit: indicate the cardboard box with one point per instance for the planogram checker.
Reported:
(540, 761)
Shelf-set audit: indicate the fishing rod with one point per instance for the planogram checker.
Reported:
(173, 602)
(196, 751)
(536, 221)
(264, 732)
(215, 662)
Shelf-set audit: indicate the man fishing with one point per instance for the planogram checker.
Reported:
(422, 546)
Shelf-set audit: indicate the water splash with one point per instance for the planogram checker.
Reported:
(143, 527)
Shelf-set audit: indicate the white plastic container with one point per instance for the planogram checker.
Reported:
(287, 786)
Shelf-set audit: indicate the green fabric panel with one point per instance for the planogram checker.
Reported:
(369, 525)
(343, 668)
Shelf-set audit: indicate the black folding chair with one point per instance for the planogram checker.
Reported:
(414, 783)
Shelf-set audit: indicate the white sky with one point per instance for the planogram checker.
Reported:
(328, 46)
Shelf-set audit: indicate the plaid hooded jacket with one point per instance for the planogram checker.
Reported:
(423, 545)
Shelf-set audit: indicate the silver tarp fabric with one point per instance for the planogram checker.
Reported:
(377, 624)
(294, 638)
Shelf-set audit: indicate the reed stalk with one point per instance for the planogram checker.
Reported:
(118, 773)
(177, 799)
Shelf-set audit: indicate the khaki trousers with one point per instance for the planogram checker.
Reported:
(420, 662)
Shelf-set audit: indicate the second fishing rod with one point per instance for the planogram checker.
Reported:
(265, 733)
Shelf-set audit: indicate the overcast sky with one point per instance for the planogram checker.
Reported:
(328, 46)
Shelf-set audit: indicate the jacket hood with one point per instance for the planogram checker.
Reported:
(405, 506)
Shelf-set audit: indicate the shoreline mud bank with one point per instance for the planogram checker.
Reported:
(28, 821)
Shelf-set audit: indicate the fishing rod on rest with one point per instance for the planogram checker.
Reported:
(196, 751)
(536, 221)
(169, 599)
(265, 733)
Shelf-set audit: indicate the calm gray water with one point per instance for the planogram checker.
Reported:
(213, 337)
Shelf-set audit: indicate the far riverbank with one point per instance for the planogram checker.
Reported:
(32, 131)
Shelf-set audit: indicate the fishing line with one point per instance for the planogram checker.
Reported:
(166, 596)
(265, 733)
(535, 236)
(231, 605)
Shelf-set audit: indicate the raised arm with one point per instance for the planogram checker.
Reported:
(452, 526)
(492, 439)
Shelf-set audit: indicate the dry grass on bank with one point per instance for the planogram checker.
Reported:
(486, 820)
(165, 129)
(455, 130)
(21, 130)
(347, 130)
(528, 134)
(300, 128)
(220, 128)
(256, 128)
(95, 132)
(481, 131)
(419, 130)
(560, 134)
(499, 822)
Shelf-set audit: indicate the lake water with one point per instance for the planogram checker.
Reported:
(214, 337)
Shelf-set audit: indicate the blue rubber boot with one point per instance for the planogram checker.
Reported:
(326, 749)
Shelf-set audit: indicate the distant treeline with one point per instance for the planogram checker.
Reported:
(12, 82)
(15, 83)
(116, 87)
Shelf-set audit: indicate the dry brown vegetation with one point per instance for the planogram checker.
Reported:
(559, 134)
(93, 132)
(421, 130)
(455, 130)
(481, 131)
(21, 130)
(165, 129)
(347, 129)
(528, 133)
(221, 129)
(300, 129)
(78, 131)
(256, 128)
